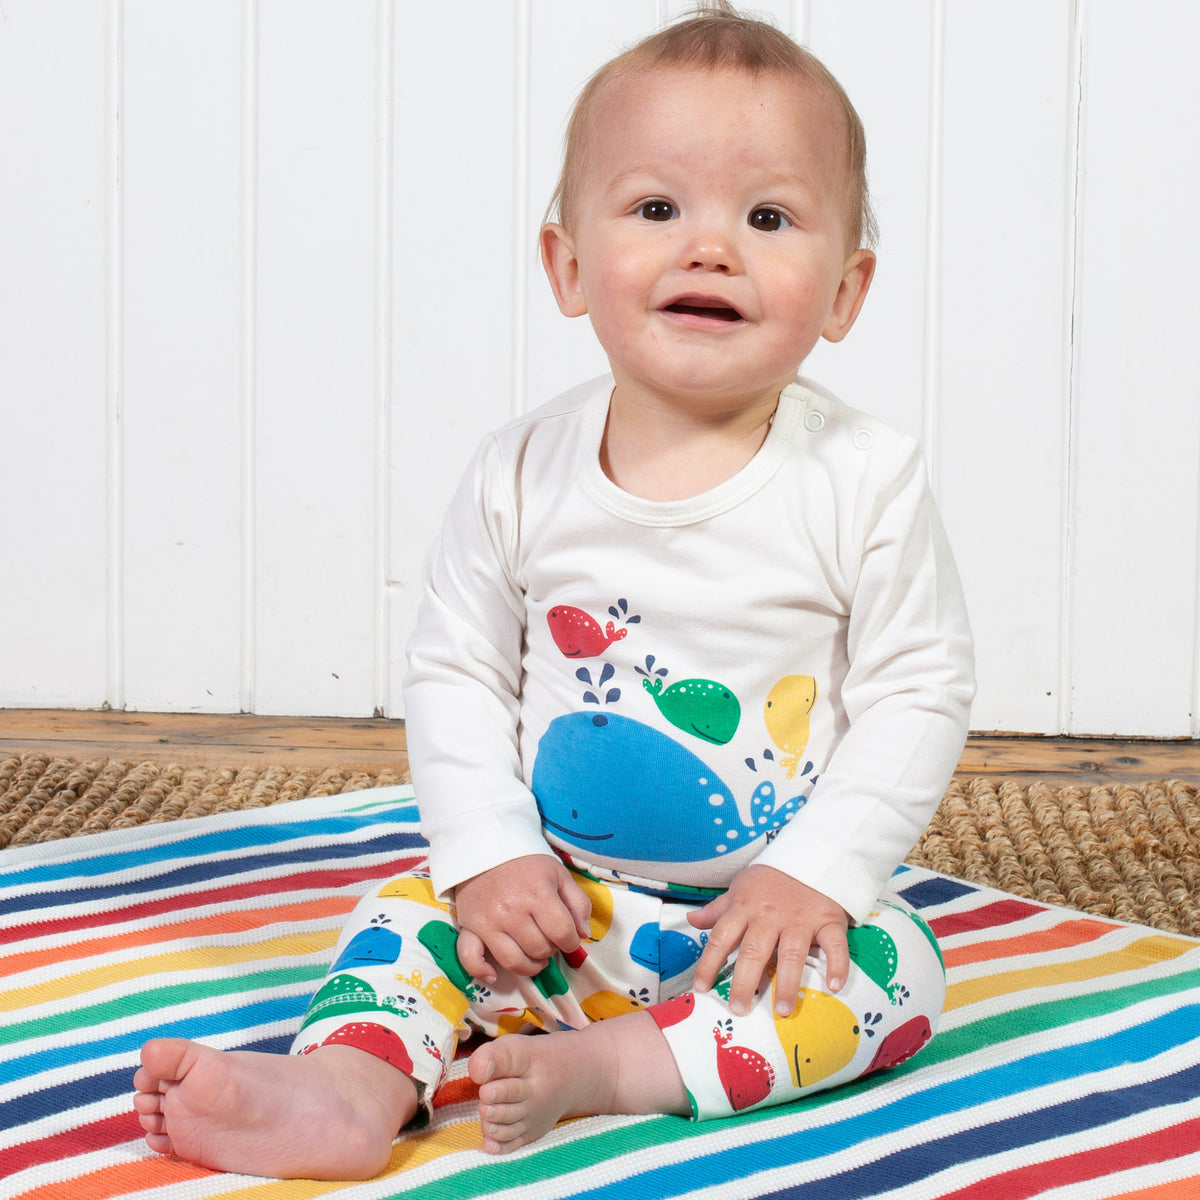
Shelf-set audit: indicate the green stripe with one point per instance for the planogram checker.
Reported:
(1052, 1014)
(582, 1153)
(405, 807)
(157, 998)
(554, 1161)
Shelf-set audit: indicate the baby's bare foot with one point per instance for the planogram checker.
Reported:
(256, 1114)
(528, 1083)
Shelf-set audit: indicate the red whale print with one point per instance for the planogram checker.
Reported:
(746, 1077)
(577, 635)
(901, 1044)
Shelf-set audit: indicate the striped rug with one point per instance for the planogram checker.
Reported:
(1068, 1064)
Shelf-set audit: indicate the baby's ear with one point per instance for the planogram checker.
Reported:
(562, 269)
(856, 279)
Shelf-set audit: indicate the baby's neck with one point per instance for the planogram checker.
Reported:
(673, 452)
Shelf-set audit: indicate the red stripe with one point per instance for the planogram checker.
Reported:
(307, 880)
(125, 1127)
(999, 912)
(1160, 1146)
(84, 1139)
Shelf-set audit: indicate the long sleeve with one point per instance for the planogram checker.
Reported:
(906, 693)
(463, 684)
(617, 656)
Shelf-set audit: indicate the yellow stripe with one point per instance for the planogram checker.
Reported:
(283, 1189)
(412, 1150)
(199, 958)
(1143, 953)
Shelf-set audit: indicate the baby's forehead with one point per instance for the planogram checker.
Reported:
(809, 97)
(813, 105)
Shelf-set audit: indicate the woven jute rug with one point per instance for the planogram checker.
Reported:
(1129, 852)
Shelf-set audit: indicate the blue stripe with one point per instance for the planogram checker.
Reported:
(64, 1097)
(1138, 1044)
(1014, 1133)
(935, 891)
(283, 1008)
(207, 869)
(221, 842)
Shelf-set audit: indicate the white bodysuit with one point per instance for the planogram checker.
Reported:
(777, 671)
(686, 676)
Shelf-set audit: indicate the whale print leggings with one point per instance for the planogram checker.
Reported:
(397, 990)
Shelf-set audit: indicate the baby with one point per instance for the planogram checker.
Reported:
(691, 674)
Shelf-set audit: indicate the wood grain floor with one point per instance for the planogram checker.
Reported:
(241, 740)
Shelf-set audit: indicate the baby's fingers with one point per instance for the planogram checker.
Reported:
(720, 945)
(791, 957)
(754, 954)
(832, 939)
(559, 925)
(579, 906)
(472, 954)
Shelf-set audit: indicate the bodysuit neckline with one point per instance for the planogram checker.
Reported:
(735, 490)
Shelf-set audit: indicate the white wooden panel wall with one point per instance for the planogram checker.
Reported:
(268, 272)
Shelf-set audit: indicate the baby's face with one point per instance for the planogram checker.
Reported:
(709, 246)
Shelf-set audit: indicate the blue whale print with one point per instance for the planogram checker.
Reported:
(664, 951)
(615, 787)
(369, 947)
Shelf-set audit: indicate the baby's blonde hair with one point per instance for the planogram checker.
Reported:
(714, 36)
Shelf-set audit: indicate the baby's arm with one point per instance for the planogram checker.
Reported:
(766, 914)
(907, 694)
(462, 689)
(520, 913)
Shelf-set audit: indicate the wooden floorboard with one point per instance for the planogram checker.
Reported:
(203, 739)
(1086, 761)
(242, 740)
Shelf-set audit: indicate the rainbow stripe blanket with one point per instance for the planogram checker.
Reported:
(1068, 1064)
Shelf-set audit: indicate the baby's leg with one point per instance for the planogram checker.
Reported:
(886, 1012)
(256, 1114)
(529, 1083)
(371, 1052)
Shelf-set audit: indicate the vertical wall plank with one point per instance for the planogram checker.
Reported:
(453, 318)
(879, 52)
(186, 227)
(1006, 227)
(1134, 574)
(53, 584)
(315, 412)
(568, 43)
(180, 356)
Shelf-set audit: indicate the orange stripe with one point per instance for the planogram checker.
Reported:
(1180, 1189)
(1144, 952)
(111, 1182)
(1060, 937)
(412, 1150)
(230, 922)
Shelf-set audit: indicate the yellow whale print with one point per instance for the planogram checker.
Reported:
(514, 1022)
(443, 996)
(415, 888)
(786, 714)
(600, 1006)
(819, 1038)
(601, 917)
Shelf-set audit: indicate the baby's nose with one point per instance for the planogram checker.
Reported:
(712, 250)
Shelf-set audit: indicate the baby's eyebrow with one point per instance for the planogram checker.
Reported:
(657, 174)
(623, 178)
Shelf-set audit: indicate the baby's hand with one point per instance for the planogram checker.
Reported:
(520, 913)
(769, 914)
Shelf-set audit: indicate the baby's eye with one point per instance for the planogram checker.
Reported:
(657, 210)
(769, 220)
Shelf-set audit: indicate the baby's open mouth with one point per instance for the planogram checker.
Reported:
(714, 312)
